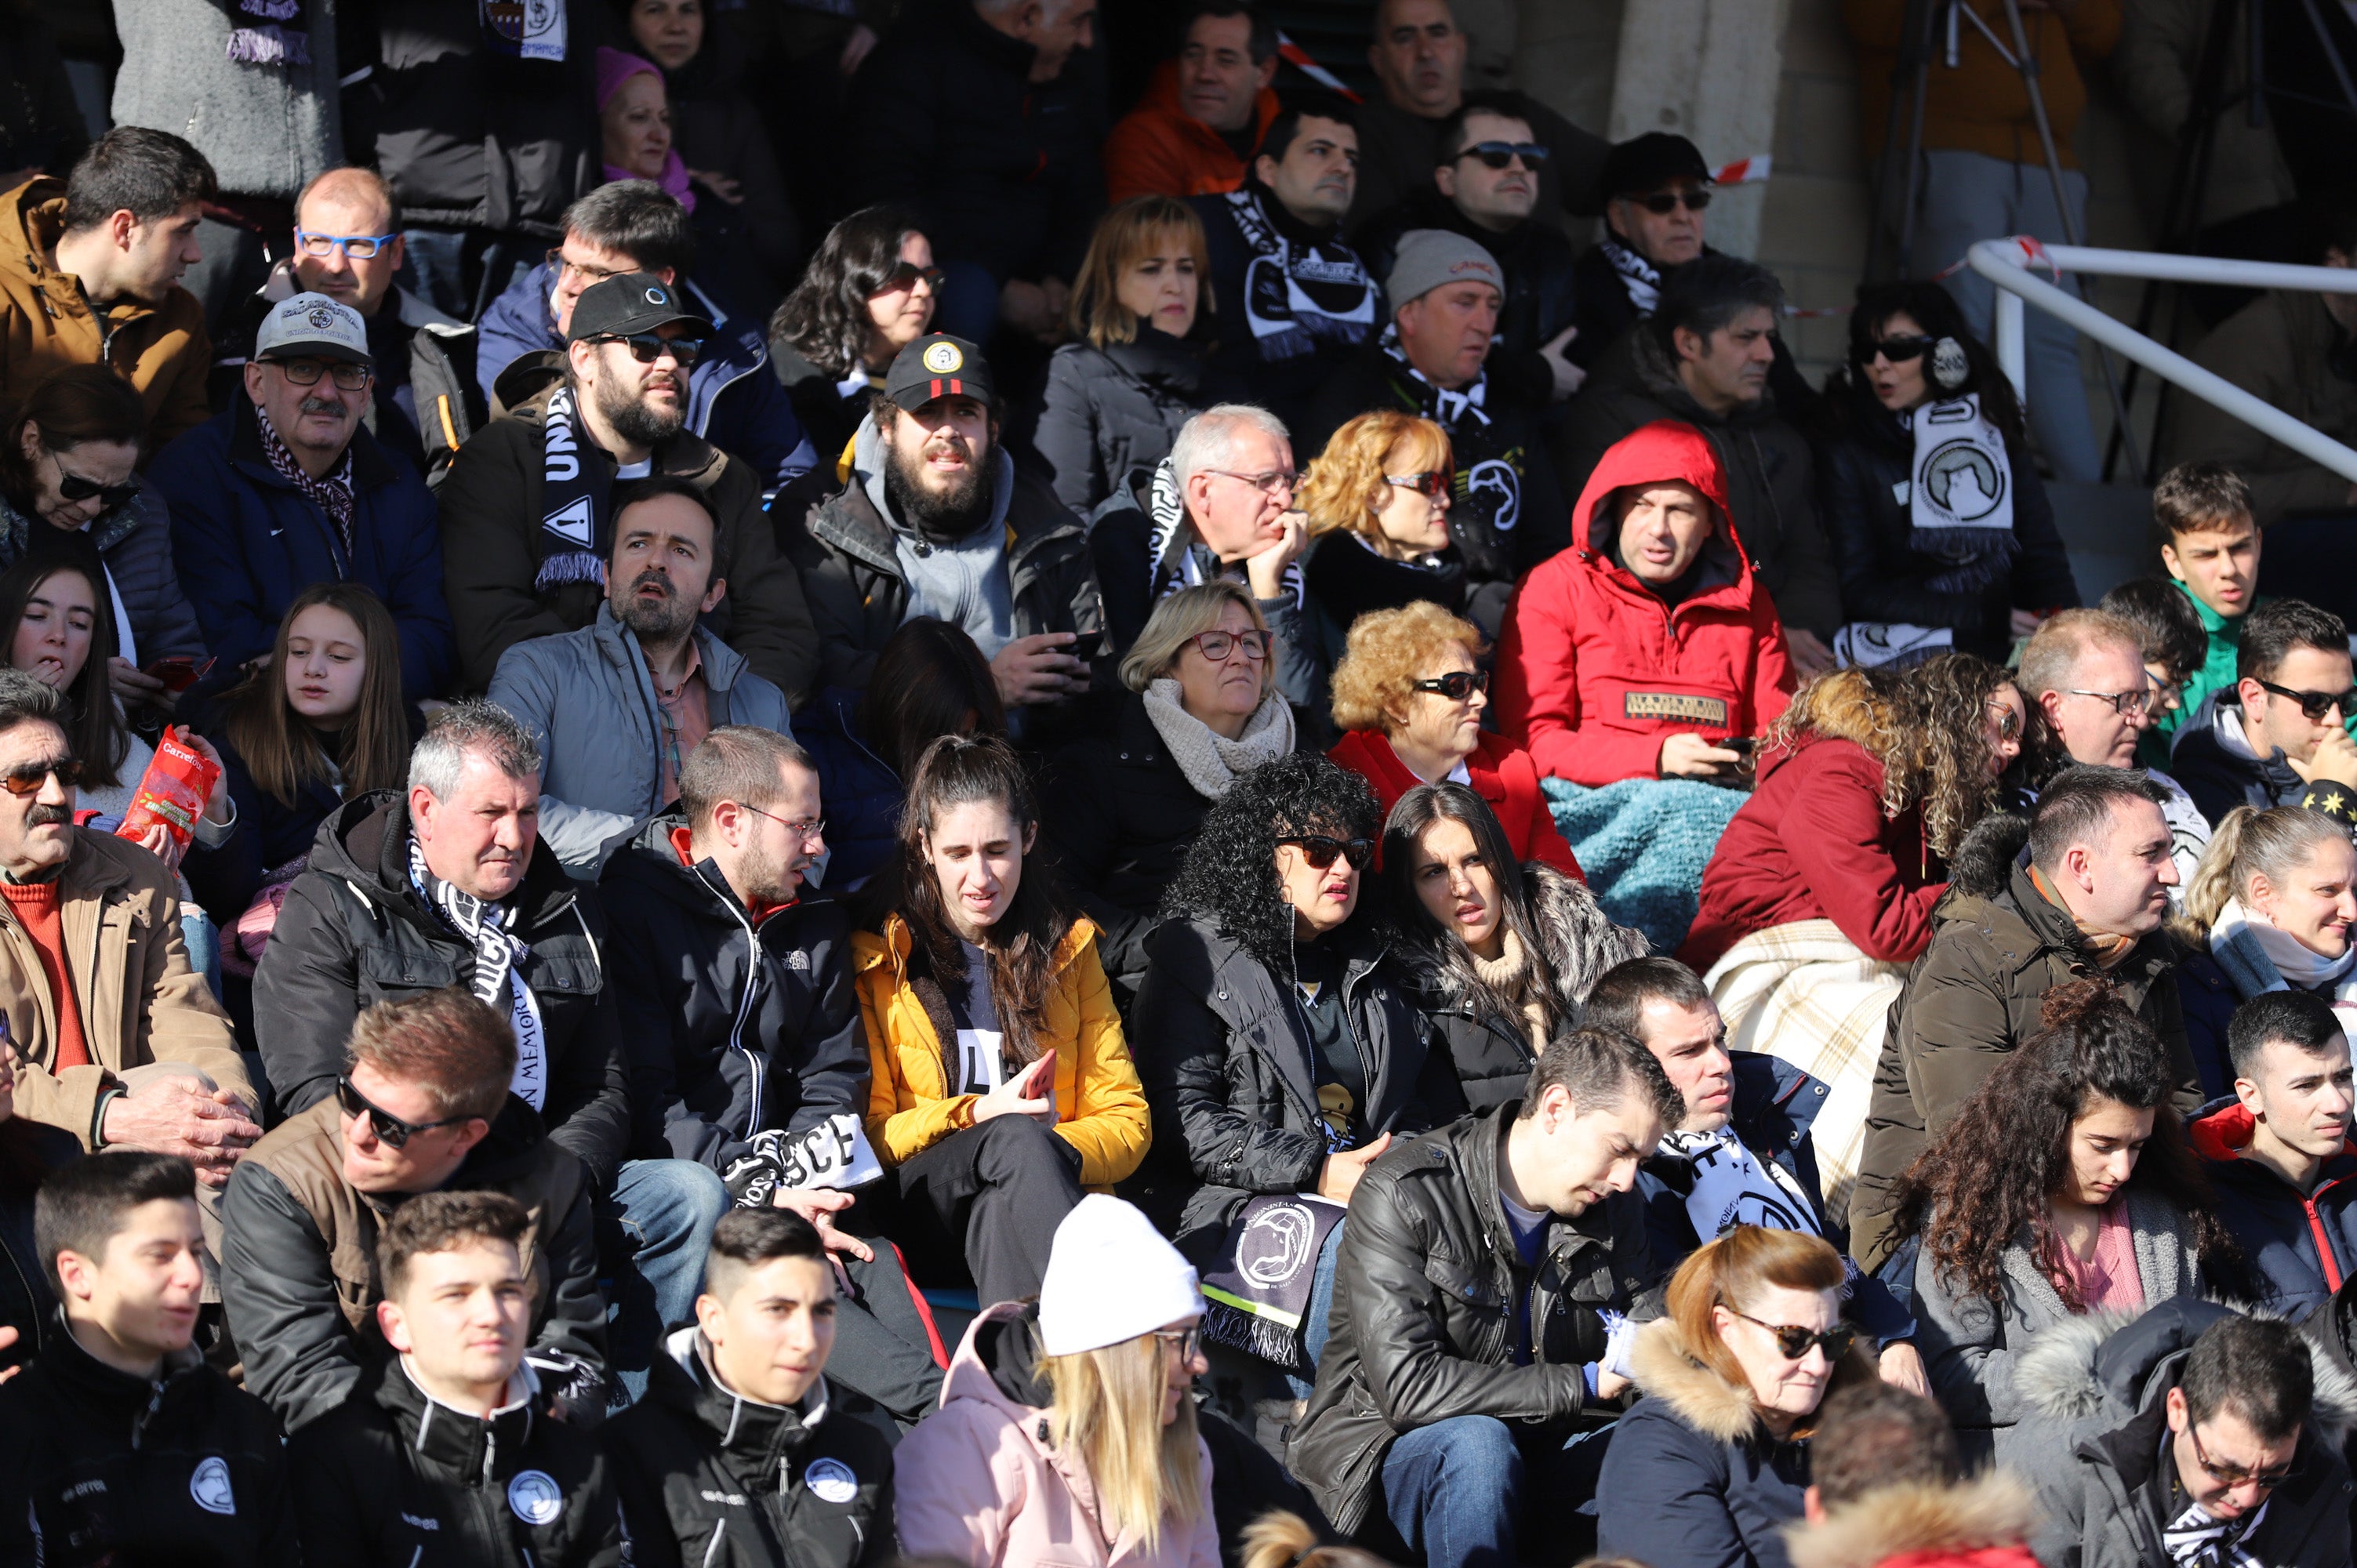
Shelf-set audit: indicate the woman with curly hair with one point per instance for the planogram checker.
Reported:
(1377, 500)
(2063, 1186)
(867, 294)
(1409, 694)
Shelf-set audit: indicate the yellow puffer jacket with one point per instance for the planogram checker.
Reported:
(1100, 1105)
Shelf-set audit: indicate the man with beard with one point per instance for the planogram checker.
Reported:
(528, 508)
(618, 704)
(938, 521)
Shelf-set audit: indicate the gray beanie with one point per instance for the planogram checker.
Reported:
(1428, 258)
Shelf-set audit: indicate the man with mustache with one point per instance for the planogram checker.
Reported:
(621, 704)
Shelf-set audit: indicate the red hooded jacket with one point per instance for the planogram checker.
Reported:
(1595, 670)
(1501, 775)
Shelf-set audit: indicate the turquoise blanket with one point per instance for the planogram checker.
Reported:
(1643, 844)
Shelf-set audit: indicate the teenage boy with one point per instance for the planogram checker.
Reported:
(2209, 539)
(444, 1455)
(121, 1443)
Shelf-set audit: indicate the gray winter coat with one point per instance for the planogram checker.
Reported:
(1111, 410)
(1970, 1346)
(199, 69)
(135, 544)
(587, 696)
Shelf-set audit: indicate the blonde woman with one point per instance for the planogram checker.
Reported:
(1377, 500)
(1132, 372)
(1066, 1434)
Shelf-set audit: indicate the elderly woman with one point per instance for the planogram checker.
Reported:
(1377, 501)
(634, 127)
(1119, 393)
(1409, 694)
(867, 294)
(1121, 809)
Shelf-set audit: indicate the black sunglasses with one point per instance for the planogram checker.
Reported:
(1321, 852)
(2316, 705)
(1792, 1342)
(391, 1130)
(1898, 351)
(1668, 202)
(907, 274)
(75, 488)
(1457, 685)
(1498, 155)
(646, 347)
(27, 778)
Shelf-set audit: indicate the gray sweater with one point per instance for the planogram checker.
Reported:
(257, 96)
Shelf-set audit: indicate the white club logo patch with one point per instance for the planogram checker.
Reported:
(534, 1497)
(830, 1481)
(209, 1487)
(943, 359)
(657, 297)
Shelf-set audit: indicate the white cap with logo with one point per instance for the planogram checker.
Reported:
(312, 325)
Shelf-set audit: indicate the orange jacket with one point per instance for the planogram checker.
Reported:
(1157, 149)
(1983, 106)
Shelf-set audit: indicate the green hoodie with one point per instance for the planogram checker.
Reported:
(2217, 670)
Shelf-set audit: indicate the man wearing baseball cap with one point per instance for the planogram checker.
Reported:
(289, 489)
(528, 513)
(1506, 513)
(937, 521)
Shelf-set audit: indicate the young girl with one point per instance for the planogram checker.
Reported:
(1002, 1085)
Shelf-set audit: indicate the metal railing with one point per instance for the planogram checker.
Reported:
(2006, 264)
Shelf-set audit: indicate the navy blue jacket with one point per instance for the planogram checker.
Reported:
(2209, 999)
(1775, 1105)
(858, 789)
(734, 400)
(247, 542)
(2300, 1248)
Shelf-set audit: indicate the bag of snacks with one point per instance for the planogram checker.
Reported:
(172, 791)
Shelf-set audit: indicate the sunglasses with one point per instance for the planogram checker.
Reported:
(1216, 646)
(2235, 1475)
(2009, 722)
(391, 1130)
(27, 778)
(1792, 1342)
(355, 247)
(346, 376)
(1898, 351)
(75, 488)
(907, 274)
(1500, 154)
(646, 347)
(1664, 202)
(1457, 685)
(1321, 852)
(1431, 484)
(2316, 705)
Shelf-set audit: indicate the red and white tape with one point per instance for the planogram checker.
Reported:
(1299, 59)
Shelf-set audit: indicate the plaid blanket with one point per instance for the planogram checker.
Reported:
(1803, 991)
(1643, 844)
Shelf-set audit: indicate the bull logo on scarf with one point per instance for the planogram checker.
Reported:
(1963, 481)
(1275, 1245)
(1494, 484)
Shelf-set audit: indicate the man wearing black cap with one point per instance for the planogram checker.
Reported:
(937, 521)
(1656, 188)
(527, 513)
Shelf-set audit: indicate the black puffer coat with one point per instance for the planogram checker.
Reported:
(827, 416)
(1862, 472)
(1111, 410)
(1424, 1297)
(1232, 1084)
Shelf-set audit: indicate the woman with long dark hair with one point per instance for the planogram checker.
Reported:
(1501, 953)
(2064, 1186)
(1939, 527)
(1002, 1085)
(868, 292)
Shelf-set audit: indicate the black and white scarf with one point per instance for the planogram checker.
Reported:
(574, 488)
(1640, 277)
(1299, 298)
(1442, 406)
(331, 492)
(2194, 1540)
(1960, 495)
(1733, 1187)
(483, 927)
(1175, 558)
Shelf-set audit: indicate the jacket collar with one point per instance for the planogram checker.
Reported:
(1917, 1518)
(117, 1393)
(721, 663)
(368, 841)
(2221, 1133)
(748, 1431)
(29, 231)
(890, 948)
(1669, 1368)
(370, 469)
(1479, 1142)
(2055, 929)
(1656, 375)
(451, 1440)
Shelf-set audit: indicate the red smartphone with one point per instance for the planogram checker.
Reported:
(178, 672)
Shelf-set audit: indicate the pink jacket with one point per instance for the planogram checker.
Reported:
(978, 1481)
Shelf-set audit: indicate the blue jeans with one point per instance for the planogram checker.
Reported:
(1317, 1323)
(667, 1210)
(1454, 1490)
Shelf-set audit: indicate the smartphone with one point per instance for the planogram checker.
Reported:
(1742, 745)
(178, 672)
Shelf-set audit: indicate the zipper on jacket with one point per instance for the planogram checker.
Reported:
(744, 1007)
(2323, 1242)
(712, 1550)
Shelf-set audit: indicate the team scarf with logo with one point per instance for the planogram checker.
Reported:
(1443, 407)
(1733, 1187)
(1960, 495)
(1299, 298)
(2194, 1540)
(483, 927)
(1176, 559)
(331, 492)
(1639, 276)
(575, 489)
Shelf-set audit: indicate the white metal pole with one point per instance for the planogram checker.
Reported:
(2012, 347)
(2002, 262)
(2096, 262)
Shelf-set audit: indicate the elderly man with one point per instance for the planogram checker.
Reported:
(2093, 899)
(528, 518)
(288, 488)
(1418, 55)
(619, 704)
(1507, 513)
(1204, 113)
(2278, 737)
(937, 521)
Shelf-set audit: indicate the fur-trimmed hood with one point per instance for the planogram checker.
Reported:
(1983, 864)
(1993, 1509)
(1577, 938)
(1668, 1368)
(2110, 1365)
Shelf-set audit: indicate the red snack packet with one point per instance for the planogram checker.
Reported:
(172, 791)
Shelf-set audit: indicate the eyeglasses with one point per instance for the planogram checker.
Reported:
(390, 1130)
(2166, 693)
(1431, 484)
(75, 488)
(355, 247)
(1457, 685)
(27, 778)
(591, 276)
(2316, 705)
(1185, 1341)
(808, 829)
(1792, 1342)
(2235, 1475)
(346, 376)
(1499, 155)
(646, 347)
(1898, 351)
(1321, 852)
(2008, 722)
(1270, 483)
(1216, 646)
(2127, 704)
(909, 275)
(1664, 202)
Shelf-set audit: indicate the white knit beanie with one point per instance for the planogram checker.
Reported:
(1111, 1277)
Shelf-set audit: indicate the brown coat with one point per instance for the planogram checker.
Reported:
(45, 322)
(2279, 348)
(119, 913)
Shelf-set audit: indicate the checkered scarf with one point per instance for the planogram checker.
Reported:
(332, 494)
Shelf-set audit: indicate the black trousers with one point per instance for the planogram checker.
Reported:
(981, 1206)
(881, 1348)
